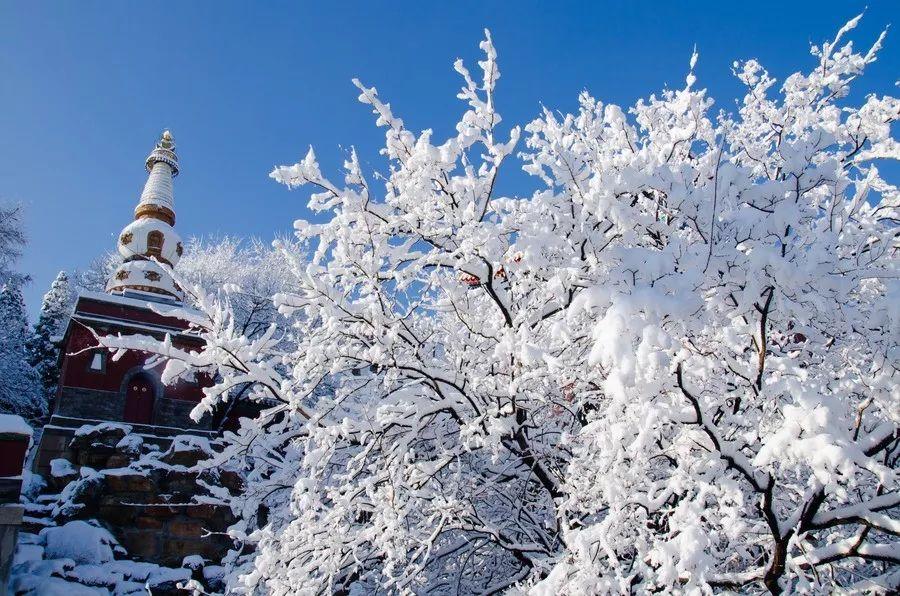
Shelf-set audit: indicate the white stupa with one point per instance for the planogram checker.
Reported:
(151, 238)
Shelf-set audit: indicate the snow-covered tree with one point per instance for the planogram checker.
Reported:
(42, 347)
(20, 389)
(252, 270)
(12, 238)
(672, 367)
(93, 278)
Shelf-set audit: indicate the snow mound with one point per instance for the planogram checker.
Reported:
(80, 542)
(27, 553)
(61, 468)
(193, 562)
(190, 442)
(77, 559)
(130, 444)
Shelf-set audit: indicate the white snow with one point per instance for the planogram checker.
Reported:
(80, 542)
(26, 553)
(77, 559)
(142, 304)
(193, 562)
(87, 429)
(36, 585)
(16, 425)
(130, 442)
(61, 467)
(191, 443)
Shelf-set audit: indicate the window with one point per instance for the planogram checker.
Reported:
(154, 243)
(98, 361)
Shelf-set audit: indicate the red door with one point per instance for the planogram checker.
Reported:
(139, 400)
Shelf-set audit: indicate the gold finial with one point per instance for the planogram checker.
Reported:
(167, 142)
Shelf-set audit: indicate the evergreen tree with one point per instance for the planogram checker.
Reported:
(42, 348)
(20, 391)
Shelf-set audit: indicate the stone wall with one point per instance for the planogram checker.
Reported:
(90, 403)
(146, 497)
(166, 534)
(58, 434)
(96, 404)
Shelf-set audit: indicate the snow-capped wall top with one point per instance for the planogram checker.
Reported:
(14, 425)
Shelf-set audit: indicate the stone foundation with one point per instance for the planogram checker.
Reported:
(10, 521)
(142, 491)
(95, 404)
(58, 434)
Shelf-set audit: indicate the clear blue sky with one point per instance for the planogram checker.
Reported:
(86, 87)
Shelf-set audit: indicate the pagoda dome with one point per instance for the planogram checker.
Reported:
(143, 276)
(151, 238)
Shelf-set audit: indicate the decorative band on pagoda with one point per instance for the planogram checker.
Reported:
(156, 212)
(142, 288)
(165, 156)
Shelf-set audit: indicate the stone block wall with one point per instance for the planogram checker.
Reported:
(95, 404)
(166, 534)
(90, 403)
(58, 435)
(144, 496)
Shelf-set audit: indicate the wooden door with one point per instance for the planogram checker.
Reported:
(139, 400)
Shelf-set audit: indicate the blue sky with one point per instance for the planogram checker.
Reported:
(86, 87)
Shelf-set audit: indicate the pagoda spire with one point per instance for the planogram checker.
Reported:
(158, 197)
(151, 238)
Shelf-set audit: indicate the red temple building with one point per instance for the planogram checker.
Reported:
(93, 386)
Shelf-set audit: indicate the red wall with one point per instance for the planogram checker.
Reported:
(90, 306)
(78, 354)
(12, 455)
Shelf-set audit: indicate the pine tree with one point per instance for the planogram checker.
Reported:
(20, 391)
(42, 348)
